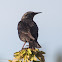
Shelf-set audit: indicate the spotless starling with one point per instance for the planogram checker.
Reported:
(28, 29)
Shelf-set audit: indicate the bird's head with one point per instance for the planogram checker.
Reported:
(30, 15)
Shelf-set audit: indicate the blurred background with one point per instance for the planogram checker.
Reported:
(49, 23)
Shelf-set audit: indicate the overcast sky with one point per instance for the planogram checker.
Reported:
(49, 23)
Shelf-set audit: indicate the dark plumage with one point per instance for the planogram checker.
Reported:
(28, 29)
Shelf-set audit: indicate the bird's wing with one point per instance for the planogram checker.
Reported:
(34, 30)
(25, 29)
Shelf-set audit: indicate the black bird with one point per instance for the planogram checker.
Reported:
(28, 29)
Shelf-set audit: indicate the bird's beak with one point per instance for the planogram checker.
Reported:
(37, 12)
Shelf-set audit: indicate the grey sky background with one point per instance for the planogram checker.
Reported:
(49, 23)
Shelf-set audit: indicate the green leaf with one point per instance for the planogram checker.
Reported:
(28, 54)
(27, 60)
(29, 51)
(42, 52)
(36, 61)
(23, 52)
(10, 60)
(16, 53)
(17, 57)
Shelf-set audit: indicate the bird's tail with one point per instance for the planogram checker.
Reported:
(34, 44)
(37, 45)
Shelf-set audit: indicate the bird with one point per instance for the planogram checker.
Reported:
(28, 30)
